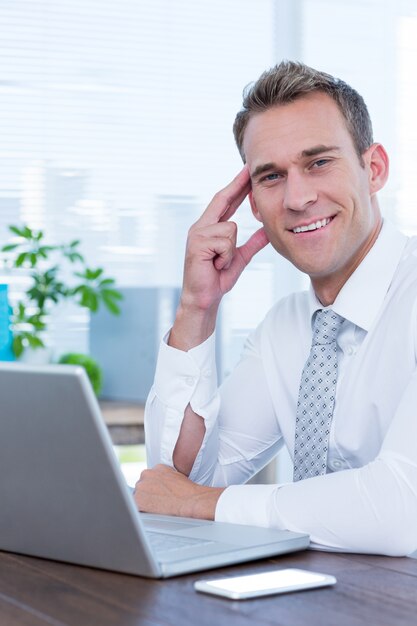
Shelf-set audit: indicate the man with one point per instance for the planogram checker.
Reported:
(312, 173)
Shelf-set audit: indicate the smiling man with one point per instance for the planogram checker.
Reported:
(330, 373)
(328, 217)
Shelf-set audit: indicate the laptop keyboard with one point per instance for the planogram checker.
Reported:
(162, 542)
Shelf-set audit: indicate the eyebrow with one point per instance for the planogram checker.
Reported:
(308, 152)
(261, 169)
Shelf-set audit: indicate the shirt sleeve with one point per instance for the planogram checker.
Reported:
(242, 432)
(371, 509)
(182, 378)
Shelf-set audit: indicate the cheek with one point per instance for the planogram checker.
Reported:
(266, 204)
(256, 205)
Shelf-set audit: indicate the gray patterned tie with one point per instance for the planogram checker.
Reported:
(316, 398)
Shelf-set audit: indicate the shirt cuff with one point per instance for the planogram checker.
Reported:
(249, 505)
(186, 377)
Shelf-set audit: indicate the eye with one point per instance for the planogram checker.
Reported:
(271, 177)
(320, 163)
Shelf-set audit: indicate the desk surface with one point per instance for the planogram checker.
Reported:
(370, 591)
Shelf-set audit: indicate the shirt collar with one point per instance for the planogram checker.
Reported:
(362, 295)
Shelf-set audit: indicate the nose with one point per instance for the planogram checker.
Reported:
(300, 191)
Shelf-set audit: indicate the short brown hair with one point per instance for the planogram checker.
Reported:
(290, 80)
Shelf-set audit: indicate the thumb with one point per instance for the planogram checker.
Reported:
(254, 244)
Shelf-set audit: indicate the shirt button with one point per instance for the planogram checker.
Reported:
(189, 380)
(207, 373)
(350, 350)
(337, 464)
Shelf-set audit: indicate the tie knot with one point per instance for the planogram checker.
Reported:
(326, 326)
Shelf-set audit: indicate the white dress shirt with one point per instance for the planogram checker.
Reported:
(367, 502)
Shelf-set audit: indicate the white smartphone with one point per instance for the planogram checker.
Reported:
(265, 584)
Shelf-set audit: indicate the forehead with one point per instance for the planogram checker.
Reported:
(285, 131)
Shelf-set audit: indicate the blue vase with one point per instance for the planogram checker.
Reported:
(6, 335)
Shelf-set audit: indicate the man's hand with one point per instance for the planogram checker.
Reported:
(213, 264)
(164, 490)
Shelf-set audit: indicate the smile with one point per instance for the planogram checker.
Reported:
(312, 226)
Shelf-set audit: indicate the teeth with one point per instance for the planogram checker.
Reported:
(313, 226)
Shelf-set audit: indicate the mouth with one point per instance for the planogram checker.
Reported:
(312, 226)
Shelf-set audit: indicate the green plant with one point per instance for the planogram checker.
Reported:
(47, 265)
(91, 366)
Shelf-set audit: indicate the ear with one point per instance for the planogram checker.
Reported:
(378, 163)
(253, 206)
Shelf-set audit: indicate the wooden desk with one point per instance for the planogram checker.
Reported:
(371, 591)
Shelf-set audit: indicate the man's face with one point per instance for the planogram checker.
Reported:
(306, 173)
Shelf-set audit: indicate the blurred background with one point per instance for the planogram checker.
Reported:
(116, 129)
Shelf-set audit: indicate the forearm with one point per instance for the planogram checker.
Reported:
(367, 510)
(189, 441)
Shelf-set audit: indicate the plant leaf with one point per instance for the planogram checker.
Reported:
(16, 230)
(93, 274)
(21, 259)
(74, 256)
(106, 281)
(113, 294)
(9, 247)
(18, 346)
(27, 232)
(90, 300)
(109, 303)
(34, 342)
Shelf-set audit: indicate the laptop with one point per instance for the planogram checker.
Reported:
(63, 495)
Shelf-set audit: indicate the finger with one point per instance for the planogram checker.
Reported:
(255, 243)
(246, 252)
(221, 229)
(219, 248)
(235, 204)
(224, 259)
(226, 201)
